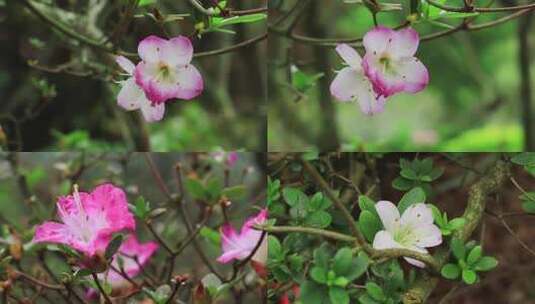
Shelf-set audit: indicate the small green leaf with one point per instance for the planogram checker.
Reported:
(469, 276)
(524, 159)
(338, 295)
(196, 189)
(234, 192)
(375, 291)
(366, 203)
(369, 224)
(457, 223)
(211, 235)
(342, 260)
(113, 246)
(322, 256)
(318, 274)
(359, 265)
(319, 219)
(414, 196)
(294, 197)
(274, 248)
(486, 263)
(474, 255)
(457, 246)
(450, 271)
(312, 293)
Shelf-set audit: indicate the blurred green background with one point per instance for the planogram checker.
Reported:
(50, 109)
(473, 101)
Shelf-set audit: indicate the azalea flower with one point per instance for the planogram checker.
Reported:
(239, 246)
(389, 62)
(350, 84)
(228, 158)
(414, 230)
(165, 71)
(129, 251)
(88, 220)
(131, 97)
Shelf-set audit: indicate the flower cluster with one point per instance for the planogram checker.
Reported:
(88, 223)
(388, 67)
(164, 73)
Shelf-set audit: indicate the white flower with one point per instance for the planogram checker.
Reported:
(414, 230)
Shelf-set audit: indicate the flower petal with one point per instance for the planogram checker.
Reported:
(177, 51)
(189, 82)
(346, 85)
(349, 55)
(130, 96)
(384, 240)
(112, 201)
(404, 43)
(152, 112)
(427, 235)
(413, 73)
(417, 215)
(52, 232)
(414, 261)
(149, 49)
(261, 254)
(377, 40)
(125, 63)
(389, 214)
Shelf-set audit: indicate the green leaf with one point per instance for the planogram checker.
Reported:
(146, 2)
(319, 202)
(113, 246)
(486, 263)
(294, 197)
(319, 219)
(359, 265)
(402, 184)
(196, 189)
(234, 192)
(524, 159)
(366, 299)
(338, 295)
(366, 203)
(457, 246)
(342, 261)
(414, 196)
(369, 224)
(474, 255)
(322, 256)
(409, 174)
(318, 274)
(211, 235)
(274, 248)
(375, 291)
(141, 208)
(302, 81)
(469, 276)
(312, 293)
(457, 223)
(450, 271)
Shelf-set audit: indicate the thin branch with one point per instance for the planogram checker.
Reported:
(479, 9)
(97, 282)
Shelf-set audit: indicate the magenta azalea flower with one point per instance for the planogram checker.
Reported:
(240, 246)
(413, 230)
(129, 251)
(165, 71)
(88, 220)
(350, 84)
(131, 97)
(390, 64)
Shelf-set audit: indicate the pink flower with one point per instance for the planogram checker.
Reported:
(131, 97)
(240, 246)
(165, 71)
(130, 250)
(88, 220)
(390, 64)
(350, 84)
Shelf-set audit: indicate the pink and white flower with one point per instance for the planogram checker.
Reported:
(389, 61)
(414, 230)
(88, 220)
(165, 71)
(130, 250)
(131, 97)
(239, 246)
(351, 84)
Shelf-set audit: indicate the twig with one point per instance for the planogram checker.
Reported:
(106, 298)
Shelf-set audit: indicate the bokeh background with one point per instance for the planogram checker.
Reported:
(30, 184)
(474, 101)
(69, 101)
